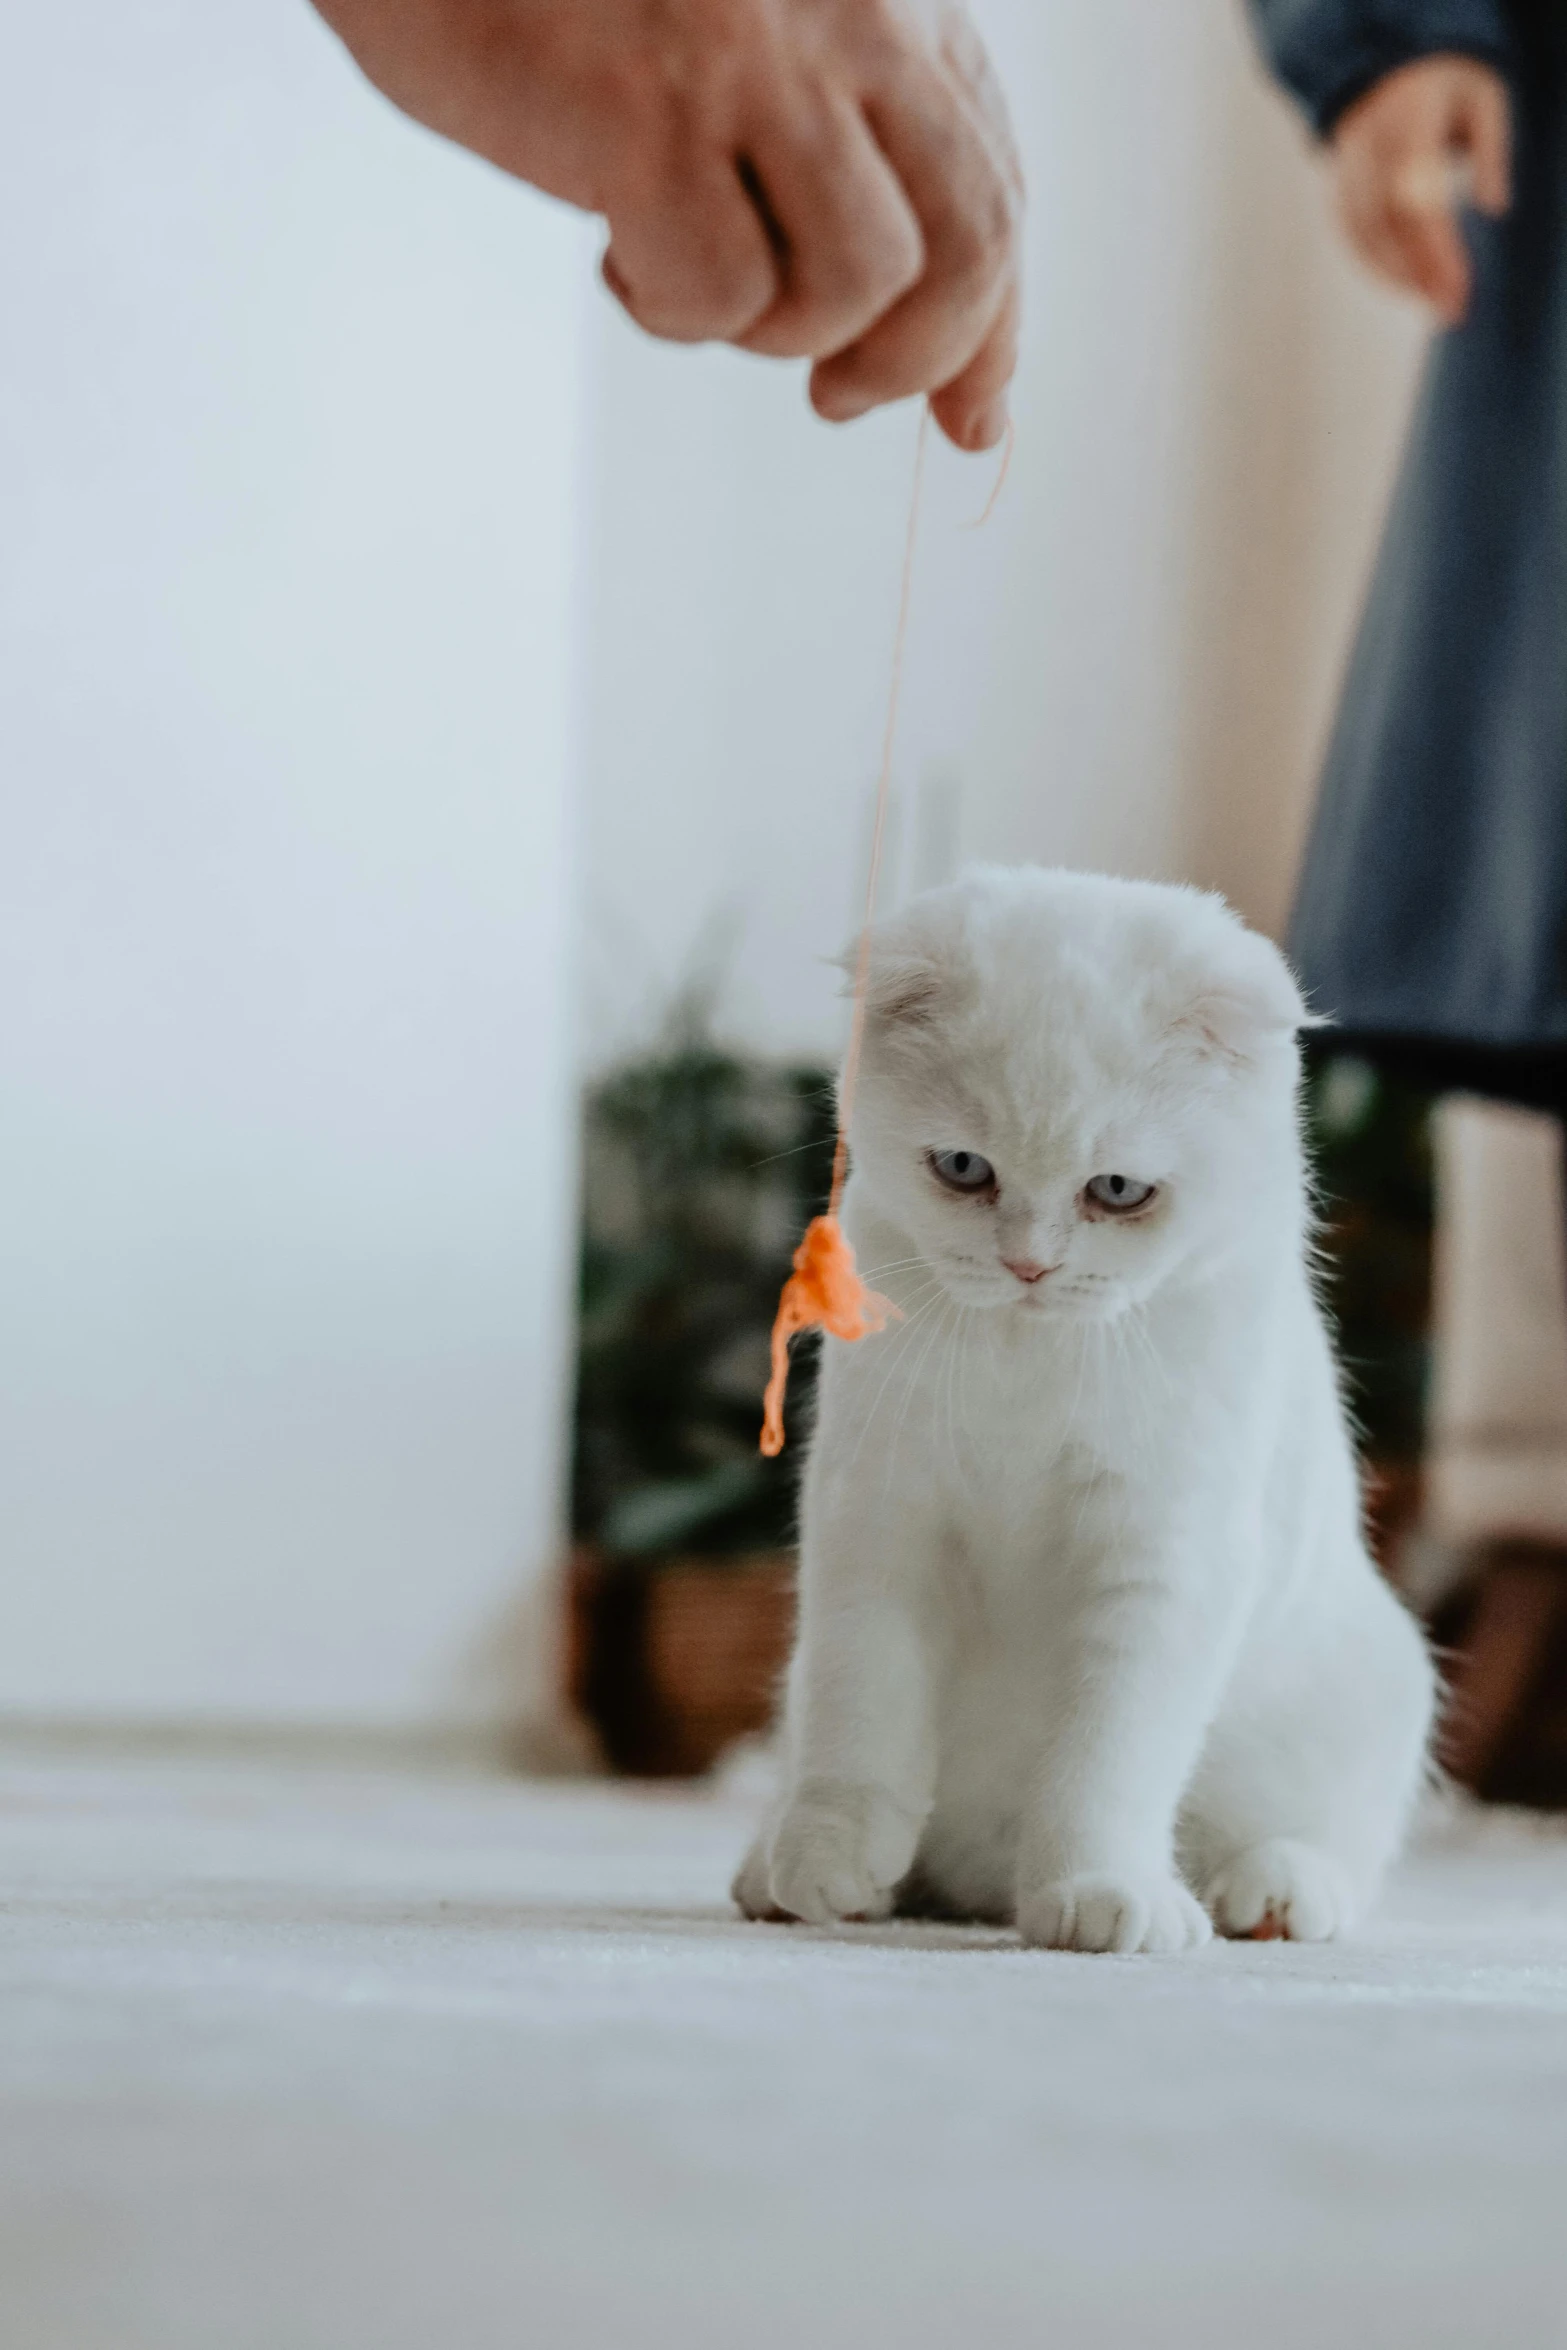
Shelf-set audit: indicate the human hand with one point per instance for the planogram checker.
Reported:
(1406, 155)
(823, 179)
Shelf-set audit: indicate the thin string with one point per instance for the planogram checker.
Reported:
(862, 968)
(1000, 482)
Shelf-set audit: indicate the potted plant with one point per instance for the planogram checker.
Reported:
(1370, 1144)
(701, 1168)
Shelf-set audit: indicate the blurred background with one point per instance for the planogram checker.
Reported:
(437, 729)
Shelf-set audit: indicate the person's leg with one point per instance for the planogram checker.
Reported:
(1498, 1466)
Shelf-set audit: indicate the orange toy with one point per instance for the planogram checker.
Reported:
(825, 1292)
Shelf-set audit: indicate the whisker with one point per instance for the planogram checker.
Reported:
(894, 1265)
(898, 1339)
(915, 1376)
(959, 1345)
(796, 1150)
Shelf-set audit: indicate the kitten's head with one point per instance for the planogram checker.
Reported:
(1073, 1086)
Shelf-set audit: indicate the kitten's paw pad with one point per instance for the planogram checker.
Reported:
(840, 1856)
(1113, 1913)
(1281, 1891)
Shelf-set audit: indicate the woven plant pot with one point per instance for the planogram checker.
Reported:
(672, 1663)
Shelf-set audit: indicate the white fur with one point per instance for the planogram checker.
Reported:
(1089, 1638)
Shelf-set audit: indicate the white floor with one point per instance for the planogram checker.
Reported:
(310, 2059)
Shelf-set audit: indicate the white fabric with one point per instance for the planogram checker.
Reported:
(1498, 1457)
(339, 2060)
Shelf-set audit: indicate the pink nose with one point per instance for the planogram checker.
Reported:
(1027, 1268)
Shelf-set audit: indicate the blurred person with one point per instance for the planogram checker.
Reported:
(832, 180)
(1431, 921)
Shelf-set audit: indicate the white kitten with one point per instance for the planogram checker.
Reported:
(1089, 1638)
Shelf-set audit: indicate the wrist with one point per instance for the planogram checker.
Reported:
(505, 81)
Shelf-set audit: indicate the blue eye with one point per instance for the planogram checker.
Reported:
(1120, 1193)
(962, 1170)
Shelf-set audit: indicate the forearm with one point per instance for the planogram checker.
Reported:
(515, 85)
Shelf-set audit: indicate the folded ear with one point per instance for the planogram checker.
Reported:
(1241, 1007)
(901, 988)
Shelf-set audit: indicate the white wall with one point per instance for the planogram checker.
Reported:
(288, 449)
(295, 423)
(1131, 666)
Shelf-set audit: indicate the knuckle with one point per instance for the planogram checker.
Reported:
(883, 33)
(905, 262)
(1003, 212)
(983, 232)
(873, 273)
(967, 256)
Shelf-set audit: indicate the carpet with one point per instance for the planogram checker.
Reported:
(315, 2057)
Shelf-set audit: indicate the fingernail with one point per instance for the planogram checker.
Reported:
(989, 426)
(841, 406)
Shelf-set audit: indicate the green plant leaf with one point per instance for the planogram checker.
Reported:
(660, 1516)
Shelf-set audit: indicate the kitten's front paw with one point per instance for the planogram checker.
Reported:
(752, 1892)
(839, 1852)
(1281, 1891)
(1154, 1913)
